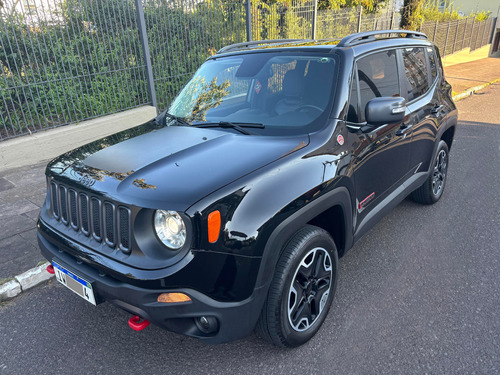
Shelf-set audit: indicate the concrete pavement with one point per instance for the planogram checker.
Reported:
(467, 75)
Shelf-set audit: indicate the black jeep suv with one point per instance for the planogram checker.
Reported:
(229, 211)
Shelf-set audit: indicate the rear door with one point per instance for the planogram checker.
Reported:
(419, 89)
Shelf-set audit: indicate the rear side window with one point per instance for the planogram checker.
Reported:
(432, 63)
(378, 76)
(416, 72)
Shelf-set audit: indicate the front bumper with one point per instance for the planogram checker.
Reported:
(234, 319)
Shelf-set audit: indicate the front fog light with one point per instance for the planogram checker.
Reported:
(170, 229)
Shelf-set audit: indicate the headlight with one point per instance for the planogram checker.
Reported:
(170, 228)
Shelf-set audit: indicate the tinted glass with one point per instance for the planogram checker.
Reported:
(416, 72)
(432, 62)
(288, 93)
(378, 76)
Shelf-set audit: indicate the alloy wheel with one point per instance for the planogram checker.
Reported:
(439, 173)
(309, 289)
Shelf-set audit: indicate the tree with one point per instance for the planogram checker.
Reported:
(368, 5)
(411, 14)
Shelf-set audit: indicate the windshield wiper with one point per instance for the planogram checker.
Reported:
(239, 126)
(179, 120)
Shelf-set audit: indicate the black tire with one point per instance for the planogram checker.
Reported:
(310, 250)
(432, 189)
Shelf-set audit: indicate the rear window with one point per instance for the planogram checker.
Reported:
(416, 72)
(432, 63)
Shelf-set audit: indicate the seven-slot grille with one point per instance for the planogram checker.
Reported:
(103, 220)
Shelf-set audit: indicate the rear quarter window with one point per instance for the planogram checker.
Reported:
(432, 63)
(415, 63)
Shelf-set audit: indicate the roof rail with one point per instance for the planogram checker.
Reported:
(369, 36)
(257, 42)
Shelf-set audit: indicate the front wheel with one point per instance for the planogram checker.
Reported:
(302, 289)
(432, 189)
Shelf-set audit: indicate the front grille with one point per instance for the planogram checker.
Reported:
(63, 198)
(101, 220)
(109, 221)
(124, 228)
(84, 214)
(96, 218)
(73, 209)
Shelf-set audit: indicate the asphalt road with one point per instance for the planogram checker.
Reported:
(418, 294)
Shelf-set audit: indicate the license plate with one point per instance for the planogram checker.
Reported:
(78, 285)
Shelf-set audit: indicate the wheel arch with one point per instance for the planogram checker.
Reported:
(448, 135)
(337, 201)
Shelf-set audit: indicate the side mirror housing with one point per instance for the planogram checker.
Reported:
(385, 110)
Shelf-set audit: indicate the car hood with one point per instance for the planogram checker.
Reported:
(168, 167)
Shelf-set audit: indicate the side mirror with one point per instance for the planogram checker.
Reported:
(385, 110)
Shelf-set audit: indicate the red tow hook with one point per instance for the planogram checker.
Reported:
(136, 324)
(50, 269)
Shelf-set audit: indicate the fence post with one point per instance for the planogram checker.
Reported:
(472, 32)
(446, 40)
(314, 19)
(455, 40)
(435, 32)
(465, 30)
(392, 21)
(484, 31)
(249, 20)
(359, 18)
(141, 24)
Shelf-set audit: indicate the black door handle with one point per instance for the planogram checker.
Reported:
(403, 129)
(437, 109)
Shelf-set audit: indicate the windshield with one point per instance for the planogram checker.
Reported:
(286, 93)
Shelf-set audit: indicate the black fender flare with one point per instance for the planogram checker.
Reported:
(284, 231)
(439, 138)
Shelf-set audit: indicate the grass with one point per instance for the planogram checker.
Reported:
(6, 280)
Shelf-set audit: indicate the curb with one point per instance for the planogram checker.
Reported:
(472, 90)
(27, 280)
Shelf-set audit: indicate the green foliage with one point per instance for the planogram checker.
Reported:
(482, 16)
(369, 6)
(432, 13)
(60, 72)
(411, 14)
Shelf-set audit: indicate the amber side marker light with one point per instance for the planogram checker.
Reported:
(173, 298)
(213, 226)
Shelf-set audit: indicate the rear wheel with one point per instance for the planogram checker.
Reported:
(302, 289)
(432, 189)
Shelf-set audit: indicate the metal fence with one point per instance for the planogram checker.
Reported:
(453, 36)
(65, 61)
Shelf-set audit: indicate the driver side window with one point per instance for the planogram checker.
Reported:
(378, 76)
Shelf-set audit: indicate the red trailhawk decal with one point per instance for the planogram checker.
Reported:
(340, 139)
(258, 87)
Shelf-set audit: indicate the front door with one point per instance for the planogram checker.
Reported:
(381, 155)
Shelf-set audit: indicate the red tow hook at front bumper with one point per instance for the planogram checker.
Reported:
(136, 324)
(50, 269)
